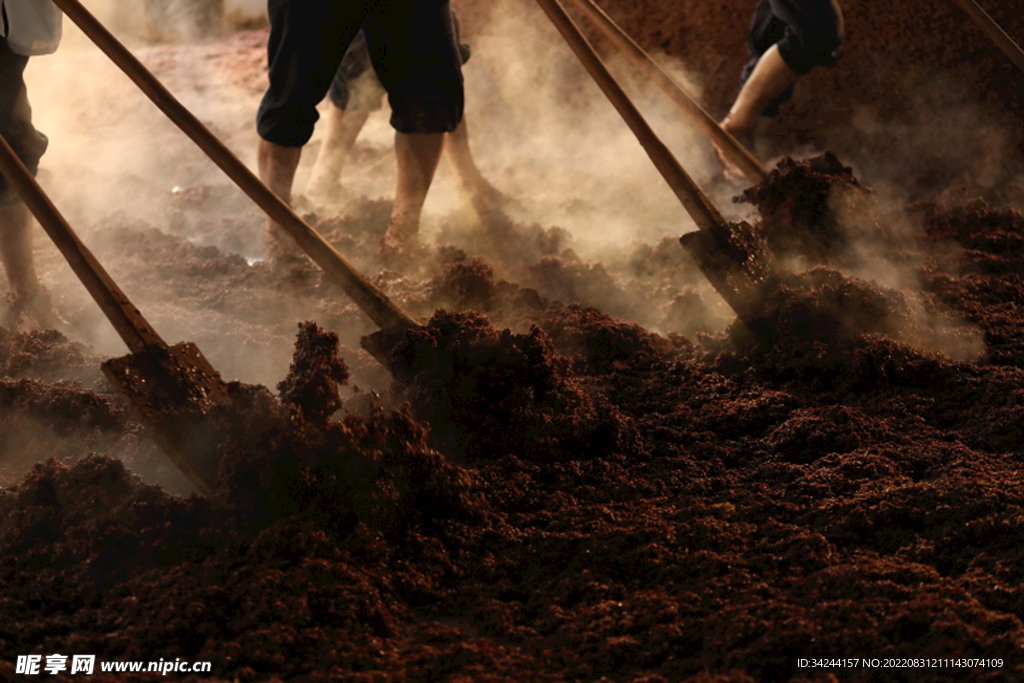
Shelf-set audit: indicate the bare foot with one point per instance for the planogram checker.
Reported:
(32, 310)
(325, 194)
(745, 136)
(399, 245)
(279, 247)
(488, 200)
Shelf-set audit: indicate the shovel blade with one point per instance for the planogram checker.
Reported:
(740, 274)
(173, 390)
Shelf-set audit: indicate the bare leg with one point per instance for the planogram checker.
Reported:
(342, 130)
(484, 197)
(27, 294)
(16, 248)
(418, 155)
(769, 79)
(277, 165)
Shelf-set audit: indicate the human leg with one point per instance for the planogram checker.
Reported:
(423, 79)
(787, 39)
(16, 248)
(813, 32)
(769, 79)
(484, 196)
(342, 129)
(276, 165)
(766, 29)
(417, 155)
(354, 94)
(27, 294)
(303, 57)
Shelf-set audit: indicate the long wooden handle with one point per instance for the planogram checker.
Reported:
(994, 31)
(737, 153)
(704, 214)
(126, 319)
(371, 300)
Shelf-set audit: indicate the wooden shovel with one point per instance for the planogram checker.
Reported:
(736, 153)
(371, 300)
(172, 387)
(738, 268)
(994, 31)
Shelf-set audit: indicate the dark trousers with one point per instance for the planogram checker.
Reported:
(16, 117)
(808, 32)
(411, 44)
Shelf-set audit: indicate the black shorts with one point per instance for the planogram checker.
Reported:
(355, 86)
(411, 44)
(808, 32)
(16, 118)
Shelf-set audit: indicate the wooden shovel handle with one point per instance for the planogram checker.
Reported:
(371, 300)
(994, 31)
(704, 214)
(126, 319)
(737, 153)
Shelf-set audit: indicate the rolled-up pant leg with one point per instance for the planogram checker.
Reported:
(814, 30)
(16, 117)
(308, 39)
(414, 51)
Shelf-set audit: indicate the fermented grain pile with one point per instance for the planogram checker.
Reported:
(572, 472)
(583, 499)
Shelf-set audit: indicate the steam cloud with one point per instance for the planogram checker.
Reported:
(541, 132)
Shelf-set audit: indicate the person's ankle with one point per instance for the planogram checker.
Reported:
(33, 302)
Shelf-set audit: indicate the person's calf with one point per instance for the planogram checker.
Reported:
(417, 156)
(342, 128)
(277, 165)
(29, 302)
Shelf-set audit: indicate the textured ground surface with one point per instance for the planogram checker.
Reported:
(575, 470)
